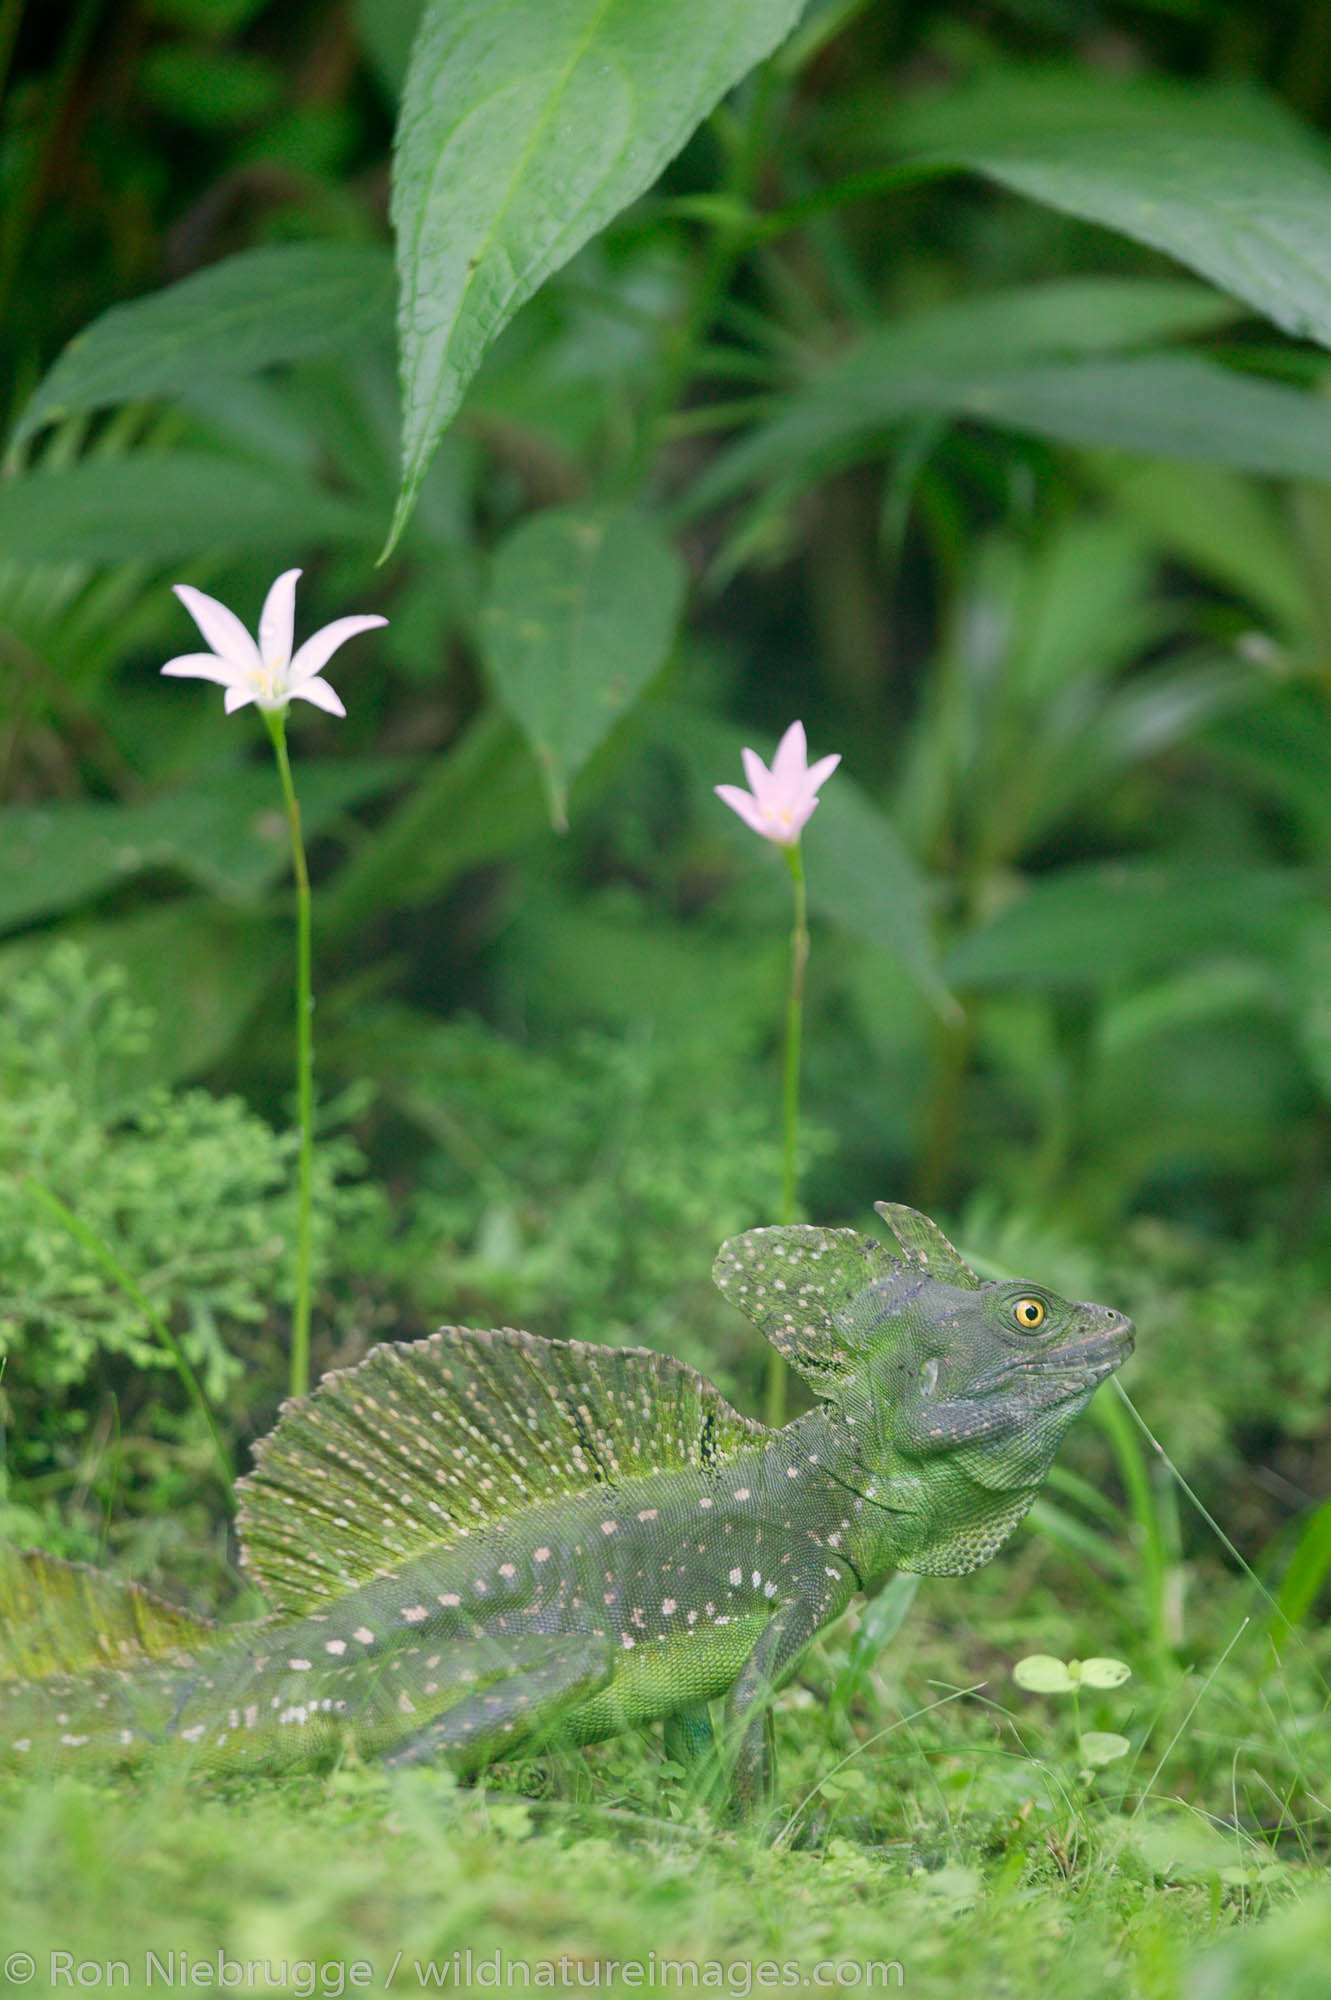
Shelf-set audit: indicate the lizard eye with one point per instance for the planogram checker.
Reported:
(1029, 1314)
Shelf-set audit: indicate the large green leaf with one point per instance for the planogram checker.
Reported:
(581, 614)
(230, 837)
(160, 506)
(526, 125)
(279, 303)
(1223, 182)
(1255, 222)
(925, 362)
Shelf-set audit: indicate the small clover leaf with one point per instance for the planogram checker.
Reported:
(1101, 1673)
(1102, 1746)
(1041, 1673)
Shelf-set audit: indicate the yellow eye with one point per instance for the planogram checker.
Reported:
(1029, 1313)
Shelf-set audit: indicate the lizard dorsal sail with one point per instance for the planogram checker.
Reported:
(62, 1618)
(431, 1440)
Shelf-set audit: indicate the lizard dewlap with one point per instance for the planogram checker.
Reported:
(484, 1541)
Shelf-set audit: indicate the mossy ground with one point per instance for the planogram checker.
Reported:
(952, 1835)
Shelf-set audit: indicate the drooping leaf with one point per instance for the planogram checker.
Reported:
(526, 125)
(581, 615)
(282, 302)
(160, 506)
(1226, 183)
(1222, 177)
(1166, 405)
(1170, 405)
(921, 363)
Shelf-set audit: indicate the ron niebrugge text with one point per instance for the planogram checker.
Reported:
(329, 1979)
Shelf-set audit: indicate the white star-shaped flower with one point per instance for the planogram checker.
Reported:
(267, 673)
(780, 802)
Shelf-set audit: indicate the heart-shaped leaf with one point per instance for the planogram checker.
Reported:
(581, 615)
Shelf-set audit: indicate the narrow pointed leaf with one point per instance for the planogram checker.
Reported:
(279, 303)
(581, 615)
(160, 506)
(1164, 405)
(526, 125)
(1253, 218)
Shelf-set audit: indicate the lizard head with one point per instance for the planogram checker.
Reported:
(920, 1358)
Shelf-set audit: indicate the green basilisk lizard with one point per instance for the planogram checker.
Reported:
(486, 1541)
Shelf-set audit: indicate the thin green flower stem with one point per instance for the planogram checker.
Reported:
(300, 1321)
(799, 958)
(115, 1270)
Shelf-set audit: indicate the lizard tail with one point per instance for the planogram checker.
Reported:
(64, 1618)
(78, 1652)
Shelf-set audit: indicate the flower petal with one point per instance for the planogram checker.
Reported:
(820, 772)
(318, 691)
(748, 808)
(203, 667)
(221, 628)
(277, 620)
(798, 813)
(320, 647)
(792, 758)
(757, 773)
(238, 697)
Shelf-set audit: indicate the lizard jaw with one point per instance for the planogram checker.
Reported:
(1088, 1359)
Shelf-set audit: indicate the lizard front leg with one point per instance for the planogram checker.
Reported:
(749, 1733)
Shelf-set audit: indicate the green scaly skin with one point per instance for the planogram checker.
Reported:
(486, 1542)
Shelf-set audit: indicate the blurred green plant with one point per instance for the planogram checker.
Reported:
(189, 1192)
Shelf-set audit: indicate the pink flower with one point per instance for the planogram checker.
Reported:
(267, 673)
(780, 802)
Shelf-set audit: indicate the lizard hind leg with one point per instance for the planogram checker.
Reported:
(517, 1709)
(690, 1742)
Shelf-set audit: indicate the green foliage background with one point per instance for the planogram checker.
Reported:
(959, 385)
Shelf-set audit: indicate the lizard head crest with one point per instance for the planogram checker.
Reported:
(917, 1352)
